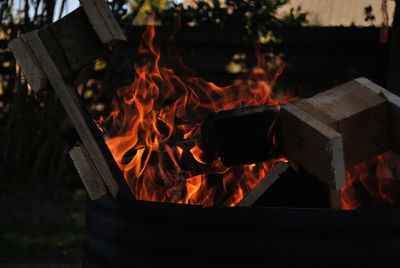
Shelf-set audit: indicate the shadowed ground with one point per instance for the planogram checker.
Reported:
(41, 224)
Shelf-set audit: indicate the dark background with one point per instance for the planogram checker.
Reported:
(42, 201)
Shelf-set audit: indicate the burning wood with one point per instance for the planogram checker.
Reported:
(263, 185)
(156, 122)
(160, 107)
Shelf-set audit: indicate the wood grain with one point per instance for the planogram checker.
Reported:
(313, 145)
(358, 114)
(394, 111)
(88, 173)
(55, 51)
(72, 43)
(30, 67)
(77, 39)
(103, 22)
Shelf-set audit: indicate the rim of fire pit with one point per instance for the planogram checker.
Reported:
(128, 233)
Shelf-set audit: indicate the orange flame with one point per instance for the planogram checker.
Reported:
(160, 108)
(373, 184)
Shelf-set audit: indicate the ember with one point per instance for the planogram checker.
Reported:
(159, 109)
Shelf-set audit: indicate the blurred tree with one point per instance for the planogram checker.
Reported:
(255, 19)
(145, 7)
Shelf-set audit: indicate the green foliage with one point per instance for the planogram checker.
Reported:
(295, 17)
(254, 19)
(143, 8)
(50, 242)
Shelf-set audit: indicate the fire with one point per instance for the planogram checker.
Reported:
(373, 184)
(160, 109)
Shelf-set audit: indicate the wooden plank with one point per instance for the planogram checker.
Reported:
(77, 39)
(30, 67)
(263, 185)
(335, 198)
(55, 51)
(394, 111)
(86, 128)
(359, 115)
(103, 22)
(72, 43)
(88, 173)
(313, 145)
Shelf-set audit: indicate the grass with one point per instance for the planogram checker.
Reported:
(61, 242)
(41, 221)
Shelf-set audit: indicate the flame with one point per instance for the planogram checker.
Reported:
(197, 154)
(160, 108)
(373, 184)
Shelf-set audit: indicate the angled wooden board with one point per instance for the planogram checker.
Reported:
(103, 21)
(86, 128)
(30, 67)
(264, 185)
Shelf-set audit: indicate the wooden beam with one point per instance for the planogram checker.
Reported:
(86, 128)
(55, 51)
(30, 67)
(77, 39)
(313, 145)
(358, 114)
(87, 172)
(264, 185)
(72, 43)
(335, 198)
(394, 111)
(103, 21)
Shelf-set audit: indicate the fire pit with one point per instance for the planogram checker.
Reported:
(126, 233)
(190, 149)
